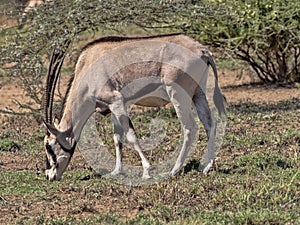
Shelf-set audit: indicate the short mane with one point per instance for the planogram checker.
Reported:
(70, 82)
(123, 38)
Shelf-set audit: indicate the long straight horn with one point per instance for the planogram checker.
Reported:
(56, 61)
(49, 83)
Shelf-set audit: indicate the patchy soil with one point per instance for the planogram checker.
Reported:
(249, 89)
(83, 198)
(245, 89)
(235, 89)
(9, 93)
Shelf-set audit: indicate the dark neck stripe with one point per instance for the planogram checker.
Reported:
(70, 151)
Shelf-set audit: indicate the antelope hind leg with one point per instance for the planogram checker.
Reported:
(183, 107)
(207, 120)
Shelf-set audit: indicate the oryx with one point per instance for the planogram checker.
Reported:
(167, 68)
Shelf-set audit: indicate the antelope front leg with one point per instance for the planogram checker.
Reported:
(132, 138)
(118, 138)
(120, 114)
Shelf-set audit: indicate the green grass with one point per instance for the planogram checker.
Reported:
(256, 180)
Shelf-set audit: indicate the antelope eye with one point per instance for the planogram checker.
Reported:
(48, 147)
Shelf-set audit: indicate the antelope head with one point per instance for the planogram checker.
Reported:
(59, 147)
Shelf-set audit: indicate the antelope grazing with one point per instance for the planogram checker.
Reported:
(159, 69)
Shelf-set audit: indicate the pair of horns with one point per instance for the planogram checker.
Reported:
(56, 62)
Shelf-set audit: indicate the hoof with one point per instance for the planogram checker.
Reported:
(173, 173)
(175, 170)
(208, 167)
(116, 172)
(146, 175)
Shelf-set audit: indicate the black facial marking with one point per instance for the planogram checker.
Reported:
(70, 151)
(51, 153)
(48, 166)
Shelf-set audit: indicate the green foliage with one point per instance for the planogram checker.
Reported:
(9, 145)
(24, 51)
(255, 180)
(265, 34)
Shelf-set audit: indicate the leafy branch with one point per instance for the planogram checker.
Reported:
(265, 34)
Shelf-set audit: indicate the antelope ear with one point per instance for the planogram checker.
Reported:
(52, 129)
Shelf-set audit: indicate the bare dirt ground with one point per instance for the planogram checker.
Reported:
(248, 89)
(235, 90)
(245, 89)
(9, 93)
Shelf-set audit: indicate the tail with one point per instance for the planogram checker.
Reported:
(218, 97)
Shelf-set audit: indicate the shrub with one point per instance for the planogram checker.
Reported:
(265, 34)
(25, 52)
